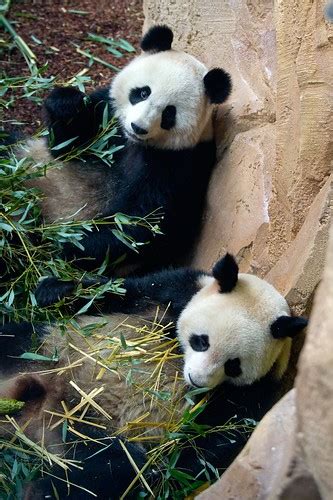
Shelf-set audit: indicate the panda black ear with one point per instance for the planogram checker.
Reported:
(225, 272)
(288, 326)
(157, 39)
(218, 85)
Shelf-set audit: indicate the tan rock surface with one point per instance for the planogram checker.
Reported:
(298, 271)
(315, 386)
(304, 111)
(239, 193)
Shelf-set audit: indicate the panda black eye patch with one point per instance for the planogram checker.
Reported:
(232, 367)
(199, 342)
(168, 117)
(139, 94)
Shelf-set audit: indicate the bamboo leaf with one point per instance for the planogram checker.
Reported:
(64, 144)
(32, 356)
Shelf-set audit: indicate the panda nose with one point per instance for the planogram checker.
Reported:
(138, 130)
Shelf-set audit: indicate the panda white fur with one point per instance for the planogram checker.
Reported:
(235, 332)
(163, 101)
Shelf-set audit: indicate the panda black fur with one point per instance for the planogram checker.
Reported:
(235, 331)
(163, 101)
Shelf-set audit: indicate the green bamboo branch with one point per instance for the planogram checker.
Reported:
(23, 47)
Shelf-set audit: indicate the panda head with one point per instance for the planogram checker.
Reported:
(236, 329)
(164, 98)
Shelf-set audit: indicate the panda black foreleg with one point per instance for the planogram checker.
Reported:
(71, 114)
(96, 246)
(172, 288)
(52, 290)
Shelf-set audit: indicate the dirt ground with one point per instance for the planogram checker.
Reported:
(60, 25)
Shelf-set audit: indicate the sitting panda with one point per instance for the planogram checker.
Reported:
(163, 103)
(235, 332)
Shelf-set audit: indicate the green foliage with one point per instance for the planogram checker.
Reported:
(30, 248)
(17, 467)
(175, 483)
(115, 47)
(8, 406)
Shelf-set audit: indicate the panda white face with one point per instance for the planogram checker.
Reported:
(236, 335)
(164, 98)
(160, 99)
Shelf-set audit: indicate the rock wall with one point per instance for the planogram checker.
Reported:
(270, 197)
(314, 386)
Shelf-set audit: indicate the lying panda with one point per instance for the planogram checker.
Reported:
(163, 101)
(235, 331)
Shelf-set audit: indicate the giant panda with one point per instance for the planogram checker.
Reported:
(164, 151)
(235, 332)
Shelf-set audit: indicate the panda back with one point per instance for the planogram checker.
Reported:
(75, 190)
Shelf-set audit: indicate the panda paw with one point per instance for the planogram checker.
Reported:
(63, 103)
(51, 290)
